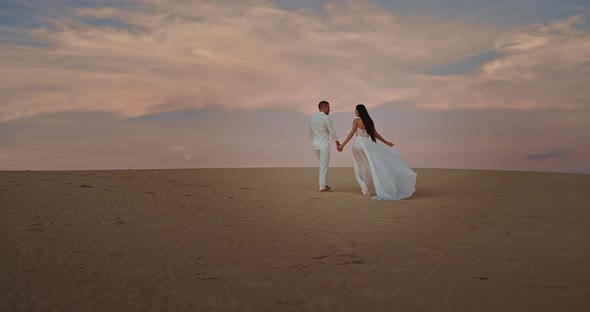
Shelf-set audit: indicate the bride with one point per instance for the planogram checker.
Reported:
(378, 168)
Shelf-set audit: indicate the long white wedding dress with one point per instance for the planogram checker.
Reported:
(379, 169)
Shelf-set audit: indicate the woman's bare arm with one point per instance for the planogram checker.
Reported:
(378, 136)
(354, 126)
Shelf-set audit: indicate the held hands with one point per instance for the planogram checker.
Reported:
(340, 147)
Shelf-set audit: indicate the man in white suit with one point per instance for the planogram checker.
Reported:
(321, 132)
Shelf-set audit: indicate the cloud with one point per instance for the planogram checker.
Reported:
(214, 137)
(551, 154)
(158, 84)
(186, 152)
(579, 170)
(244, 55)
(157, 56)
(538, 49)
(539, 67)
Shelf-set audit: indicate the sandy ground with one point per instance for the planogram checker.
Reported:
(266, 240)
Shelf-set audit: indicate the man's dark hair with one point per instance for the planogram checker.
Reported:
(322, 104)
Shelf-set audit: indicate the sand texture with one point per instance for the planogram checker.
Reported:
(266, 240)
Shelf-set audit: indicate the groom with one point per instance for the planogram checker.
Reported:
(321, 131)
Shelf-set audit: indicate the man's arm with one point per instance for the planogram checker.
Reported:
(332, 132)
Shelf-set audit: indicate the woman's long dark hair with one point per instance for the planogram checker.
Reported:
(367, 121)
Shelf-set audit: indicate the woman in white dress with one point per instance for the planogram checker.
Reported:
(378, 168)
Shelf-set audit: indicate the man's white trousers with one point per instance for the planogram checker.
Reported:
(324, 157)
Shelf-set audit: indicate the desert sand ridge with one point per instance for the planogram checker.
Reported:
(263, 239)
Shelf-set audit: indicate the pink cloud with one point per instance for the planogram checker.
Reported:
(255, 55)
(539, 67)
(238, 56)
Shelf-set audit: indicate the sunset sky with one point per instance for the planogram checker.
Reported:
(186, 84)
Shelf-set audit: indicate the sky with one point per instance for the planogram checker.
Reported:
(126, 84)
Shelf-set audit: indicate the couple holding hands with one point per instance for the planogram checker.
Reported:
(378, 168)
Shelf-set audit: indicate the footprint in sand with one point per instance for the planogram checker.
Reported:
(84, 186)
(174, 182)
(288, 303)
(343, 259)
(206, 276)
(299, 267)
(33, 229)
(116, 221)
(314, 201)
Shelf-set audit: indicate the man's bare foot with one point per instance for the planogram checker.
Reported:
(327, 189)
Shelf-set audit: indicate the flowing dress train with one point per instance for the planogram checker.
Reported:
(379, 169)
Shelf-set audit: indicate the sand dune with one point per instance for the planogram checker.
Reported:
(265, 240)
